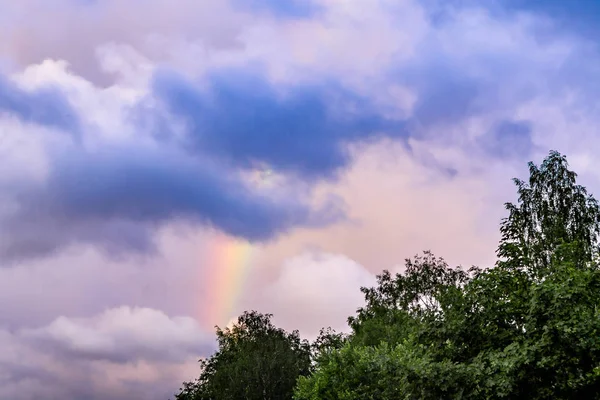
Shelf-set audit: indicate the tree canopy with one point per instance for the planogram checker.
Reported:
(552, 209)
(526, 328)
(255, 361)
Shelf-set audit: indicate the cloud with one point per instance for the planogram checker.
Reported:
(508, 139)
(288, 8)
(117, 197)
(400, 204)
(143, 24)
(124, 335)
(580, 17)
(480, 78)
(447, 97)
(115, 190)
(123, 353)
(45, 106)
(244, 119)
(316, 290)
(85, 281)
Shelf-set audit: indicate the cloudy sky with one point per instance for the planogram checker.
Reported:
(167, 164)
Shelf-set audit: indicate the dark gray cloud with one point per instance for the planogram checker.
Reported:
(45, 106)
(450, 90)
(581, 17)
(508, 139)
(447, 95)
(116, 198)
(285, 9)
(304, 129)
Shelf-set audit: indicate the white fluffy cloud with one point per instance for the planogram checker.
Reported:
(126, 335)
(125, 352)
(34, 30)
(315, 290)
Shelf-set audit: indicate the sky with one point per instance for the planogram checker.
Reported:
(167, 164)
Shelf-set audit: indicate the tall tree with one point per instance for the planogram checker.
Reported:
(552, 209)
(255, 361)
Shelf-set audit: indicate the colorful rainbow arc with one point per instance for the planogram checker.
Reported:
(226, 270)
(228, 264)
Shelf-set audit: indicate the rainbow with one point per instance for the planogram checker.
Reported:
(227, 264)
(226, 269)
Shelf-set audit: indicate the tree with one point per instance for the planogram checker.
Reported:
(327, 342)
(398, 305)
(552, 209)
(255, 360)
(527, 328)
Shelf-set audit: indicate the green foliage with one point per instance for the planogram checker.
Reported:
(399, 305)
(327, 343)
(255, 360)
(403, 371)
